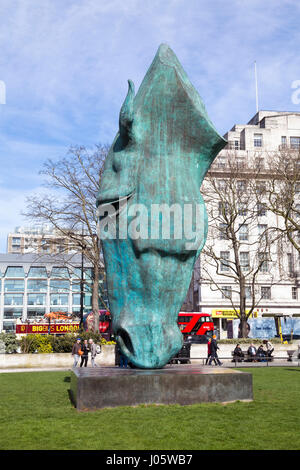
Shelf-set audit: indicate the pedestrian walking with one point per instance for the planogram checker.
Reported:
(214, 354)
(93, 350)
(85, 349)
(76, 351)
(209, 352)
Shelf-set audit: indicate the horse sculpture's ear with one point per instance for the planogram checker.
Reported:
(127, 114)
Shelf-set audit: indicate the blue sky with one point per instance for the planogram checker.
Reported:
(65, 65)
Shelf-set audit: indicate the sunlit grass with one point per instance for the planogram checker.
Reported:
(36, 413)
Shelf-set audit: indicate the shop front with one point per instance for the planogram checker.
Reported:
(223, 321)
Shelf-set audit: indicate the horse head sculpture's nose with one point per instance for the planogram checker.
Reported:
(149, 346)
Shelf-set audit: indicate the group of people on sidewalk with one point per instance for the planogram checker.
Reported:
(81, 351)
(264, 350)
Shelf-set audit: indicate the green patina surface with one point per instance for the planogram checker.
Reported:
(164, 147)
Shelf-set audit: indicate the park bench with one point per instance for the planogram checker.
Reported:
(248, 358)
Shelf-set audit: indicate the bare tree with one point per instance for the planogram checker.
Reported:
(239, 246)
(69, 206)
(282, 192)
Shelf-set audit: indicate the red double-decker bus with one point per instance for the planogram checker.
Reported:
(197, 325)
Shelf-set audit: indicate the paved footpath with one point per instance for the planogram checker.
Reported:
(225, 364)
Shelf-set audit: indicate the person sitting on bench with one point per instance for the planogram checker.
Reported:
(238, 353)
(268, 348)
(251, 352)
(260, 354)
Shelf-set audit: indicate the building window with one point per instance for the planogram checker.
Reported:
(34, 312)
(241, 186)
(76, 286)
(263, 262)
(14, 285)
(76, 299)
(224, 256)
(9, 327)
(16, 241)
(243, 232)
(223, 208)
(242, 209)
(266, 292)
(13, 299)
(295, 142)
(290, 263)
(37, 272)
(12, 313)
(294, 293)
(283, 141)
(59, 286)
(226, 292)
(36, 285)
(223, 231)
(248, 292)
(261, 209)
(15, 271)
(59, 299)
(36, 299)
(244, 260)
(60, 273)
(258, 140)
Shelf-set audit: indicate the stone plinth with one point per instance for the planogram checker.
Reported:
(183, 385)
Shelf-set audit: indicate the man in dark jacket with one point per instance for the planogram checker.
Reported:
(238, 354)
(214, 355)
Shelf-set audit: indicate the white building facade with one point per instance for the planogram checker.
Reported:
(277, 282)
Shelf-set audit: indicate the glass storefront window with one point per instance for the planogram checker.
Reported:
(58, 299)
(36, 299)
(14, 285)
(60, 273)
(75, 286)
(15, 271)
(11, 313)
(76, 299)
(87, 300)
(37, 272)
(33, 312)
(9, 326)
(87, 273)
(36, 285)
(13, 299)
(76, 273)
(59, 286)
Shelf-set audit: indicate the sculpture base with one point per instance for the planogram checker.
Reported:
(184, 385)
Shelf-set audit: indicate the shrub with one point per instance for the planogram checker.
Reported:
(63, 344)
(10, 342)
(36, 343)
(57, 344)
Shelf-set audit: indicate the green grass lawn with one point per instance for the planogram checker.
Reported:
(36, 413)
